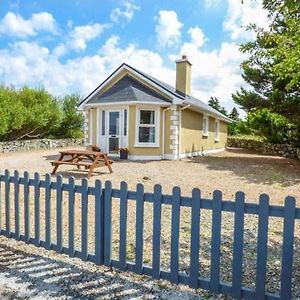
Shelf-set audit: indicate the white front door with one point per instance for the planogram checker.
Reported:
(114, 118)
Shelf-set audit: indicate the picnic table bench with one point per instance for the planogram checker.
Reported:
(83, 158)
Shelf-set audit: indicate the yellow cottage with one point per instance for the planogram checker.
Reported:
(133, 110)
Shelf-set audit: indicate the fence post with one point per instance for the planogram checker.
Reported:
(238, 245)
(17, 206)
(195, 239)
(287, 248)
(71, 215)
(156, 231)
(216, 241)
(107, 223)
(59, 213)
(139, 229)
(84, 219)
(262, 247)
(37, 208)
(99, 223)
(26, 207)
(7, 203)
(48, 211)
(175, 234)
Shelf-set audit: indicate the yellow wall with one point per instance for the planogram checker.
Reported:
(92, 117)
(192, 139)
(152, 151)
(167, 149)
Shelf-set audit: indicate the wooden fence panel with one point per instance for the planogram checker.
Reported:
(103, 230)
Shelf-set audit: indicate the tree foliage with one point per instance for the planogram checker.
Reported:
(273, 67)
(33, 113)
(215, 103)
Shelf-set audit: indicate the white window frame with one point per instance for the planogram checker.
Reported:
(156, 125)
(217, 130)
(206, 121)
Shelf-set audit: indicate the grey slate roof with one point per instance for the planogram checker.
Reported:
(187, 99)
(128, 89)
(131, 90)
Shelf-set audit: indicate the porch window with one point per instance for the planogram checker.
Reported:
(147, 126)
(103, 122)
(125, 122)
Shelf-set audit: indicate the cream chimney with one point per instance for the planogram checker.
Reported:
(183, 75)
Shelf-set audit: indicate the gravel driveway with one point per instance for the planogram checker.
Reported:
(229, 171)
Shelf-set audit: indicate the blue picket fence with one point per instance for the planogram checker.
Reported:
(103, 197)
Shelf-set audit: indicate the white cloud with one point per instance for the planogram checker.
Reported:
(239, 15)
(168, 28)
(34, 65)
(15, 25)
(197, 36)
(215, 73)
(124, 14)
(80, 35)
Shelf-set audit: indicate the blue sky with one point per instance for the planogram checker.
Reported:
(71, 46)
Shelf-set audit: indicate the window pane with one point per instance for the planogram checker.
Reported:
(125, 121)
(146, 134)
(103, 122)
(147, 117)
(114, 123)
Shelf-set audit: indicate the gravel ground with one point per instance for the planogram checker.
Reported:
(228, 171)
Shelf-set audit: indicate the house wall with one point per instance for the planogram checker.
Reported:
(92, 126)
(192, 139)
(141, 151)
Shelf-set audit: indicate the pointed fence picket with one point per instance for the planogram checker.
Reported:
(104, 197)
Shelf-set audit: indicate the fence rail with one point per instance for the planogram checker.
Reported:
(24, 207)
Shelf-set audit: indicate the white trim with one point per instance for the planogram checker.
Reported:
(128, 103)
(127, 68)
(156, 126)
(144, 157)
(91, 126)
(98, 128)
(201, 153)
(170, 156)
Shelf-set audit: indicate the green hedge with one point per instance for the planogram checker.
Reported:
(28, 113)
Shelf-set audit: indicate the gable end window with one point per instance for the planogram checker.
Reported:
(147, 127)
(205, 126)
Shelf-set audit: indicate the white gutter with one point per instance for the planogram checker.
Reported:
(179, 132)
(163, 132)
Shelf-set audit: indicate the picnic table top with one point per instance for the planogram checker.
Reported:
(82, 152)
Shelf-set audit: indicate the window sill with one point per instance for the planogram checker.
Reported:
(146, 146)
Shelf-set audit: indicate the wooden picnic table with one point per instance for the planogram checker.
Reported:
(83, 158)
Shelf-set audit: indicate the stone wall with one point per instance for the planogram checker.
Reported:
(264, 148)
(26, 145)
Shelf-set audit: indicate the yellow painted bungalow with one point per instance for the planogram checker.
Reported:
(133, 110)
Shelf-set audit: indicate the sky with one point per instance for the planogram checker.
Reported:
(71, 46)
